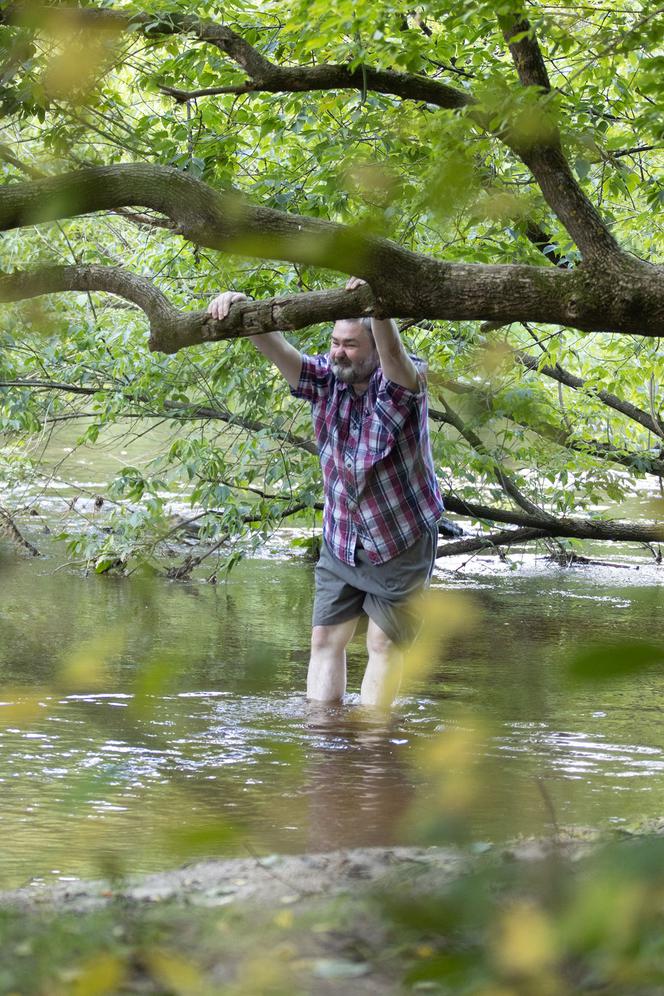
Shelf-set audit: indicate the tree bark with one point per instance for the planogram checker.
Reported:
(624, 296)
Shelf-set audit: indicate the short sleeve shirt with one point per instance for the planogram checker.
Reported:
(378, 477)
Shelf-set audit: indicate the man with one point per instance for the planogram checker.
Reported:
(382, 502)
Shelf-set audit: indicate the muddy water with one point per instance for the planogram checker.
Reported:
(143, 722)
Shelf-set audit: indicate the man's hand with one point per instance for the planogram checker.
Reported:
(285, 357)
(354, 282)
(221, 305)
(394, 360)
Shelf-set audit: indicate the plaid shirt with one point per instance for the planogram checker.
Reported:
(378, 477)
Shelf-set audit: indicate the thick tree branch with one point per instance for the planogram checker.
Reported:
(171, 329)
(592, 529)
(22, 285)
(300, 79)
(543, 154)
(627, 298)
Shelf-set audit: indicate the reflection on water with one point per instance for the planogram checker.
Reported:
(357, 782)
(133, 714)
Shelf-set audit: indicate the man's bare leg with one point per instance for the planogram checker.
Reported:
(383, 672)
(326, 680)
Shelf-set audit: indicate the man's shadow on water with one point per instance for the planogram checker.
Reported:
(357, 778)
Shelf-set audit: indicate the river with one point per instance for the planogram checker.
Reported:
(144, 721)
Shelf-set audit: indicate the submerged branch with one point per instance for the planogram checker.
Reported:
(8, 526)
(506, 537)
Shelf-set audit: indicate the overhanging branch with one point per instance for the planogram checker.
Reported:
(542, 152)
(611, 400)
(538, 525)
(301, 79)
(405, 284)
(178, 409)
(632, 459)
(543, 156)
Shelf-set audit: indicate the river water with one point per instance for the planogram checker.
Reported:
(145, 722)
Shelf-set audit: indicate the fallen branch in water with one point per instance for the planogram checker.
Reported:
(9, 528)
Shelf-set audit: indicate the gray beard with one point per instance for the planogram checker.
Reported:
(355, 373)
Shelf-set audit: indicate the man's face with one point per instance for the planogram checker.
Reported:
(353, 356)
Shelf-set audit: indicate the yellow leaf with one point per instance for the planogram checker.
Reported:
(104, 973)
(174, 972)
(86, 667)
(525, 943)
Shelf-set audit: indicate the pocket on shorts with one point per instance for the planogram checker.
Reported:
(411, 569)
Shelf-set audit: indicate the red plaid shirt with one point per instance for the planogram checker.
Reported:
(378, 477)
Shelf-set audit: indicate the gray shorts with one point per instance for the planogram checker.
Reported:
(382, 591)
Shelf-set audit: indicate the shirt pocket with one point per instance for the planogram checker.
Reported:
(380, 436)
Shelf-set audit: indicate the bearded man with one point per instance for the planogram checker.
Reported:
(382, 502)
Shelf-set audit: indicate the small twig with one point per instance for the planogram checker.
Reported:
(548, 805)
(278, 878)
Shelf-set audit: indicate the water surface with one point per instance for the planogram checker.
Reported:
(146, 722)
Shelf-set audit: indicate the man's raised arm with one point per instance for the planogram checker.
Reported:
(395, 362)
(286, 358)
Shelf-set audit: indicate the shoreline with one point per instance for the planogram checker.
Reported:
(288, 879)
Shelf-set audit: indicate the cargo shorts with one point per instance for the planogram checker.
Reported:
(384, 592)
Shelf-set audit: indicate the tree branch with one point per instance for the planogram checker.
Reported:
(506, 537)
(542, 241)
(633, 460)
(542, 152)
(507, 484)
(606, 529)
(543, 156)
(180, 408)
(301, 79)
(578, 384)
(263, 75)
(629, 299)
(8, 526)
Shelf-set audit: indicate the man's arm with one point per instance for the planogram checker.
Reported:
(286, 358)
(395, 362)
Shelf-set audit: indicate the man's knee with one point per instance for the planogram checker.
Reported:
(378, 642)
(331, 638)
